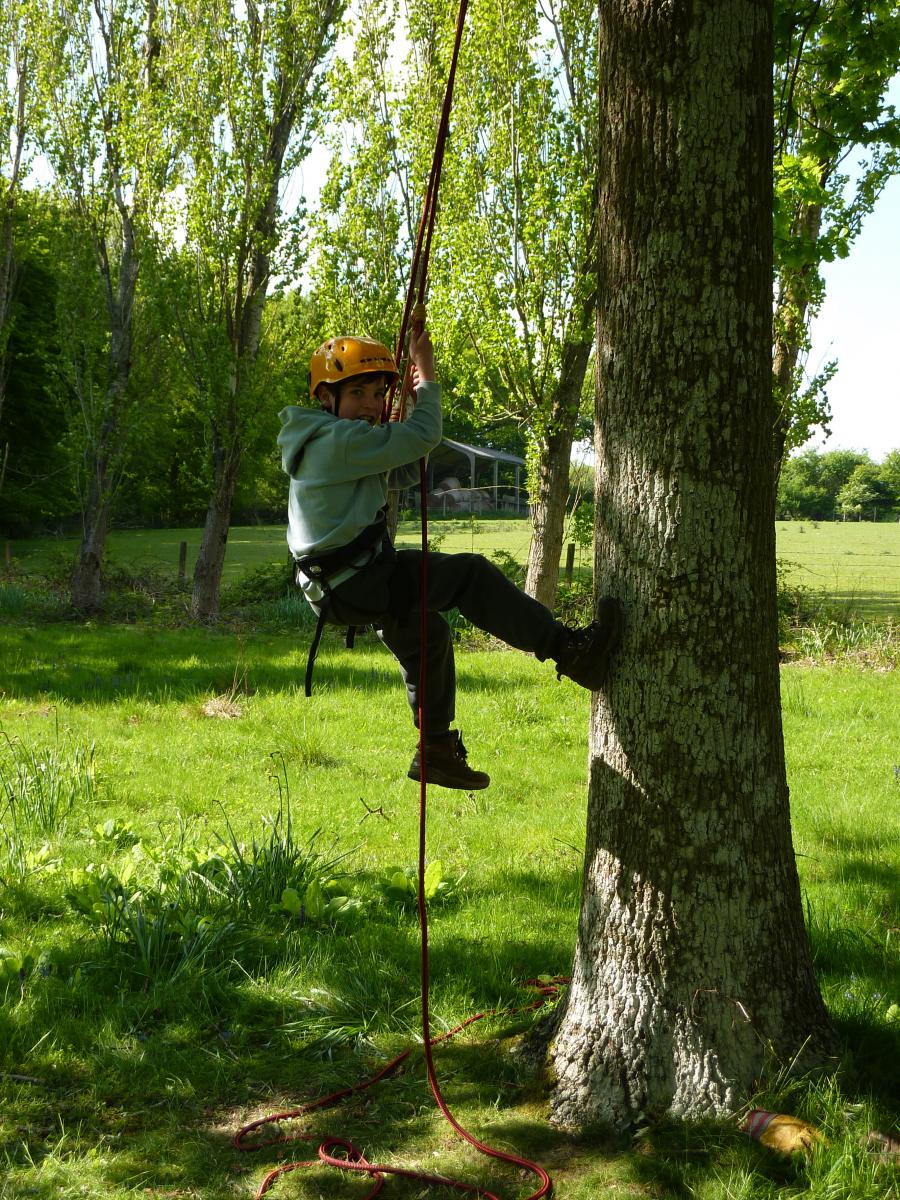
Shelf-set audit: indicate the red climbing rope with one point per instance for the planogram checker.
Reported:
(354, 1159)
(413, 308)
(351, 1158)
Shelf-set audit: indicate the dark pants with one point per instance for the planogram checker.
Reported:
(386, 594)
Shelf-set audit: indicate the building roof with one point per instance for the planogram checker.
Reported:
(480, 452)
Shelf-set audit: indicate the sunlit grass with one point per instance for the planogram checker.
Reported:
(140, 1083)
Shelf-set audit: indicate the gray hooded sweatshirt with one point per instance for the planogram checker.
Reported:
(339, 473)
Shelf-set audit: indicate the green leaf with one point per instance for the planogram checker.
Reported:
(314, 902)
(434, 874)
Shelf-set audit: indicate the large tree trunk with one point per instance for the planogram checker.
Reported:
(692, 963)
(550, 486)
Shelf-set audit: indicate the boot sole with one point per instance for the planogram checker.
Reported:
(439, 779)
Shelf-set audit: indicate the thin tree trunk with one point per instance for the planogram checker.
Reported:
(692, 964)
(105, 447)
(213, 544)
(550, 487)
(791, 334)
(87, 576)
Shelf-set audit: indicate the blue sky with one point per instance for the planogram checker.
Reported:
(859, 325)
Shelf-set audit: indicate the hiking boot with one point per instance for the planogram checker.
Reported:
(445, 765)
(588, 653)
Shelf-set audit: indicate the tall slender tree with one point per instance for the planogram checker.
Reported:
(16, 92)
(834, 61)
(513, 277)
(519, 242)
(101, 74)
(247, 98)
(692, 962)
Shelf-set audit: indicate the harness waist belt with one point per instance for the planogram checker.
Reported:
(322, 567)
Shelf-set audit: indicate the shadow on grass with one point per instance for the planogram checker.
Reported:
(157, 1082)
(106, 665)
(869, 605)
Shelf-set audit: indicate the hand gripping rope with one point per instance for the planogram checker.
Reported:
(337, 1151)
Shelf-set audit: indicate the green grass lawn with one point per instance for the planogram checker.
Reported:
(252, 545)
(130, 1053)
(855, 564)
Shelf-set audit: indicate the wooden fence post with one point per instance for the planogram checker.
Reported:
(570, 561)
(182, 561)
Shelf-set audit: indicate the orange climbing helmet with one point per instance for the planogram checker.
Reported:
(341, 358)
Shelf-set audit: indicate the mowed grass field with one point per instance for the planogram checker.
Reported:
(126, 1063)
(855, 563)
(141, 1031)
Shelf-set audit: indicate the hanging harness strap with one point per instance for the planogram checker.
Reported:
(323, 567)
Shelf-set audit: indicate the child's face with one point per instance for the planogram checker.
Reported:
(362, 398)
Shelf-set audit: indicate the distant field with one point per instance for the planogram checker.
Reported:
(857, 564)
(251, 545)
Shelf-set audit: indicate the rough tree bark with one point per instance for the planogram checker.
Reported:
(692, 963)
(211, 556)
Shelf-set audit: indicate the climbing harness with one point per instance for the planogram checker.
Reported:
(321, 568)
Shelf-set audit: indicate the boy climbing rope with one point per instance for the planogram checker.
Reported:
(341, 461)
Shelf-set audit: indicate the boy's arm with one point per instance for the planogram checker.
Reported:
(374, 450)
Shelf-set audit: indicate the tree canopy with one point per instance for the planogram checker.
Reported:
(165, 272)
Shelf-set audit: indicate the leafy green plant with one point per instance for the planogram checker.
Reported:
(436, 540)
(15, 967)
(575, 602)
(144, 935)
(33, 602)
(267, 582)
(113, 832)
(582, 525)
(510, 566)
(19, 861)
(323, 903)
(837, 639)
(252, 878)
(41, 785)
(401, 886)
